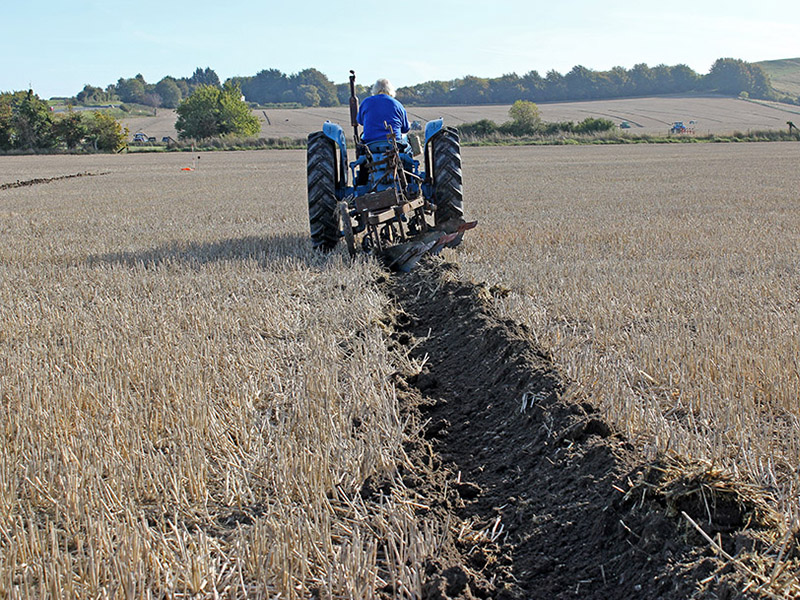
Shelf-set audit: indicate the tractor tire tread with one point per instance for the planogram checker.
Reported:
(448, 181)
(323, 214)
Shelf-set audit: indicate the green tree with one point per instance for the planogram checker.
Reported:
(70, 129)
(131, 90)
(106, 133)
(265, 87)
(620, 81)
(32, 123)
(732, 76)
(506, 89)
(169, 92)
(472, 90)
(234, 114)
(437, 92)
(324, 87)
(685, 78)
(532, 83)
(555, 88)
(198, 115)
(525, 116)
(663, 81)
(343, 92)
(580, 83)
(211, 111)
(643, 79)
(183, 86)
(6, 114)
(308, 95)
(93, 95)
(205, 76)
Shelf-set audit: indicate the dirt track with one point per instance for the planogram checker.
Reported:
(541, 499)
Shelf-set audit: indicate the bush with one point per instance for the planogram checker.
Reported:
(592, 125)
(104, 132)
(525, 115)
(481, 128)
(211, 111)
(70, 129)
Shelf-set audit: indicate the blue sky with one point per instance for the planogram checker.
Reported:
(58, 46)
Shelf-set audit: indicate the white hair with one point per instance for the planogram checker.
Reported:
(383, 86)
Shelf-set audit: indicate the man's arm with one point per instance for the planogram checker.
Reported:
(404, 126)
(360, 115)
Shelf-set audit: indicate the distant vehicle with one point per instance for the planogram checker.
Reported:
(624, 125)
(678, 127)
(140, 138)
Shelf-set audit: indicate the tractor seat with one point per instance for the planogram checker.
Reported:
(382, 146)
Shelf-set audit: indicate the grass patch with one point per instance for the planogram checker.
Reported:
(615, 137)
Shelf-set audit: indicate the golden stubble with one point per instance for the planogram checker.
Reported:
(191, 398)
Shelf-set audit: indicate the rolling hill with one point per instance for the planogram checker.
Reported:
(784, 73)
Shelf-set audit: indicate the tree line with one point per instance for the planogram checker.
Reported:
(169, 92)
(28, 123)
(727, 76)
(207, 108)
(311, 87)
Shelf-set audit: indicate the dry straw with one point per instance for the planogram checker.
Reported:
(191, 400)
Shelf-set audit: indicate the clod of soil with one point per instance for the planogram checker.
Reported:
(539, 497)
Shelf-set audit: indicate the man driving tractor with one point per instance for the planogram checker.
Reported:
(381, 110)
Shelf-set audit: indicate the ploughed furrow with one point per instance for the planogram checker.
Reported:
(29, 182)
(537, 496)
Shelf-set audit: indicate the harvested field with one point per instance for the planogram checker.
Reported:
(196, 404)
(654, 116)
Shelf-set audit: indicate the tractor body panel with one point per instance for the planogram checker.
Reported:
(432, 128)
(334, 132)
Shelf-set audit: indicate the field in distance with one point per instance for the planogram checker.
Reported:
(784, 74)
(711, 114)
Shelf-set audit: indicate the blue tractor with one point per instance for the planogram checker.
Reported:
(382, 201)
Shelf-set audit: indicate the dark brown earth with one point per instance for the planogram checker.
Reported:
(29, 182)
(539, 496)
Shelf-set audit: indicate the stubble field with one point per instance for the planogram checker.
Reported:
(193, 403)
(654, 116)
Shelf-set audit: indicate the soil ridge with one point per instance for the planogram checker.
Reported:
(539, 496)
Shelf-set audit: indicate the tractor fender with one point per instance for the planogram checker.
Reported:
(336, 133)
(432, 128)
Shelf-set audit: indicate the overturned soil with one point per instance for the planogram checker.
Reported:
(40, 180)
(539, 496)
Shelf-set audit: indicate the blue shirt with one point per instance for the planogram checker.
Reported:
(372, 113)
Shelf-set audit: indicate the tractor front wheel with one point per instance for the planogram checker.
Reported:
(323, 215)
(448, 191)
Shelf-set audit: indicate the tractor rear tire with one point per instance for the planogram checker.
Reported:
(448, 190)
(323, 215)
